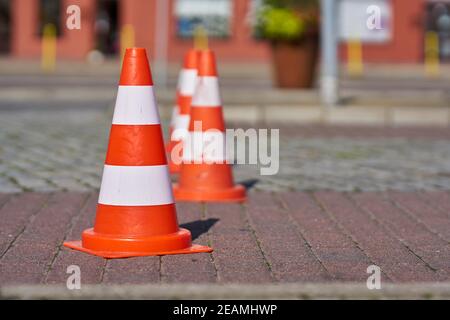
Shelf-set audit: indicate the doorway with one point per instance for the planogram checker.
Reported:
(5, 26)
(107, 27)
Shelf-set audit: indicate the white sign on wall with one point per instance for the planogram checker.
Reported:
(213, 15)
(365, 20)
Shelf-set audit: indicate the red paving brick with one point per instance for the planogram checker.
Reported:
(387, 252)
(288, 237)
(337, 252)
(237, 256)
(15, 215)
(285, 249)
(429, 247)
(4, 198)
(438, 199)
(91, 267)
(196, 268)
(30, 256)
(132, 270)
(437, 221)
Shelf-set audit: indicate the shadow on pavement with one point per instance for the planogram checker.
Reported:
(249, 183)
(199, 227)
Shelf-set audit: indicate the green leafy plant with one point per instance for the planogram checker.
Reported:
(286, 20)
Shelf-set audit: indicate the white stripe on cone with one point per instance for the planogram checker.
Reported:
(181, 126)
(175, 114)
(136, 105)
(136, 186)
(187, 82)
(207, 93)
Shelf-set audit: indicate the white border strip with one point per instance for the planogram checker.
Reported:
(136, 186)
(434, 290)
(136, 105)
(207, 93)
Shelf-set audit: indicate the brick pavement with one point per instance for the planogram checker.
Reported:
(286, 237)
(345, 198)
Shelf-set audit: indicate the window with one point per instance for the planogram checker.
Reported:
(50, 13)
(213, 15)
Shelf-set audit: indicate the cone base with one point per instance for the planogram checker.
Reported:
(234, 194)
(116, 247)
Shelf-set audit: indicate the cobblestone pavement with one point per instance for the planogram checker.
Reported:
(54, 150)
(283, 237)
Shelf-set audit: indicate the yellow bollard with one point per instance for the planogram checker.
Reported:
(355, 66)
(48, 48)
(126, 38)
(432, 60)
(200, 38)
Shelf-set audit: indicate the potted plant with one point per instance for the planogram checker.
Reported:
(291, 27)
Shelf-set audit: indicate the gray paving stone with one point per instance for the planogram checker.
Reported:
(37, 148)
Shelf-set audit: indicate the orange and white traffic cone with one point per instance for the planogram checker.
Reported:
(206, 176)
(180, 117)
(136, 214)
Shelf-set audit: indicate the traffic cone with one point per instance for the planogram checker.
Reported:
(204, 176)
(180, 117)
(136, 214)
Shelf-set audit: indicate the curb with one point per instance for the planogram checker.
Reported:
(352, 115)
(242, 292)
(290, 110)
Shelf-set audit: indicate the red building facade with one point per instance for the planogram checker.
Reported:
(25, 20)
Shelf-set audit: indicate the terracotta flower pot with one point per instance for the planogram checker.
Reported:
(295, 62)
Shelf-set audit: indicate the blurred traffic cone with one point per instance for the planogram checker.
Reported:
(206, 176)
(136, 214)
(180, 117)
